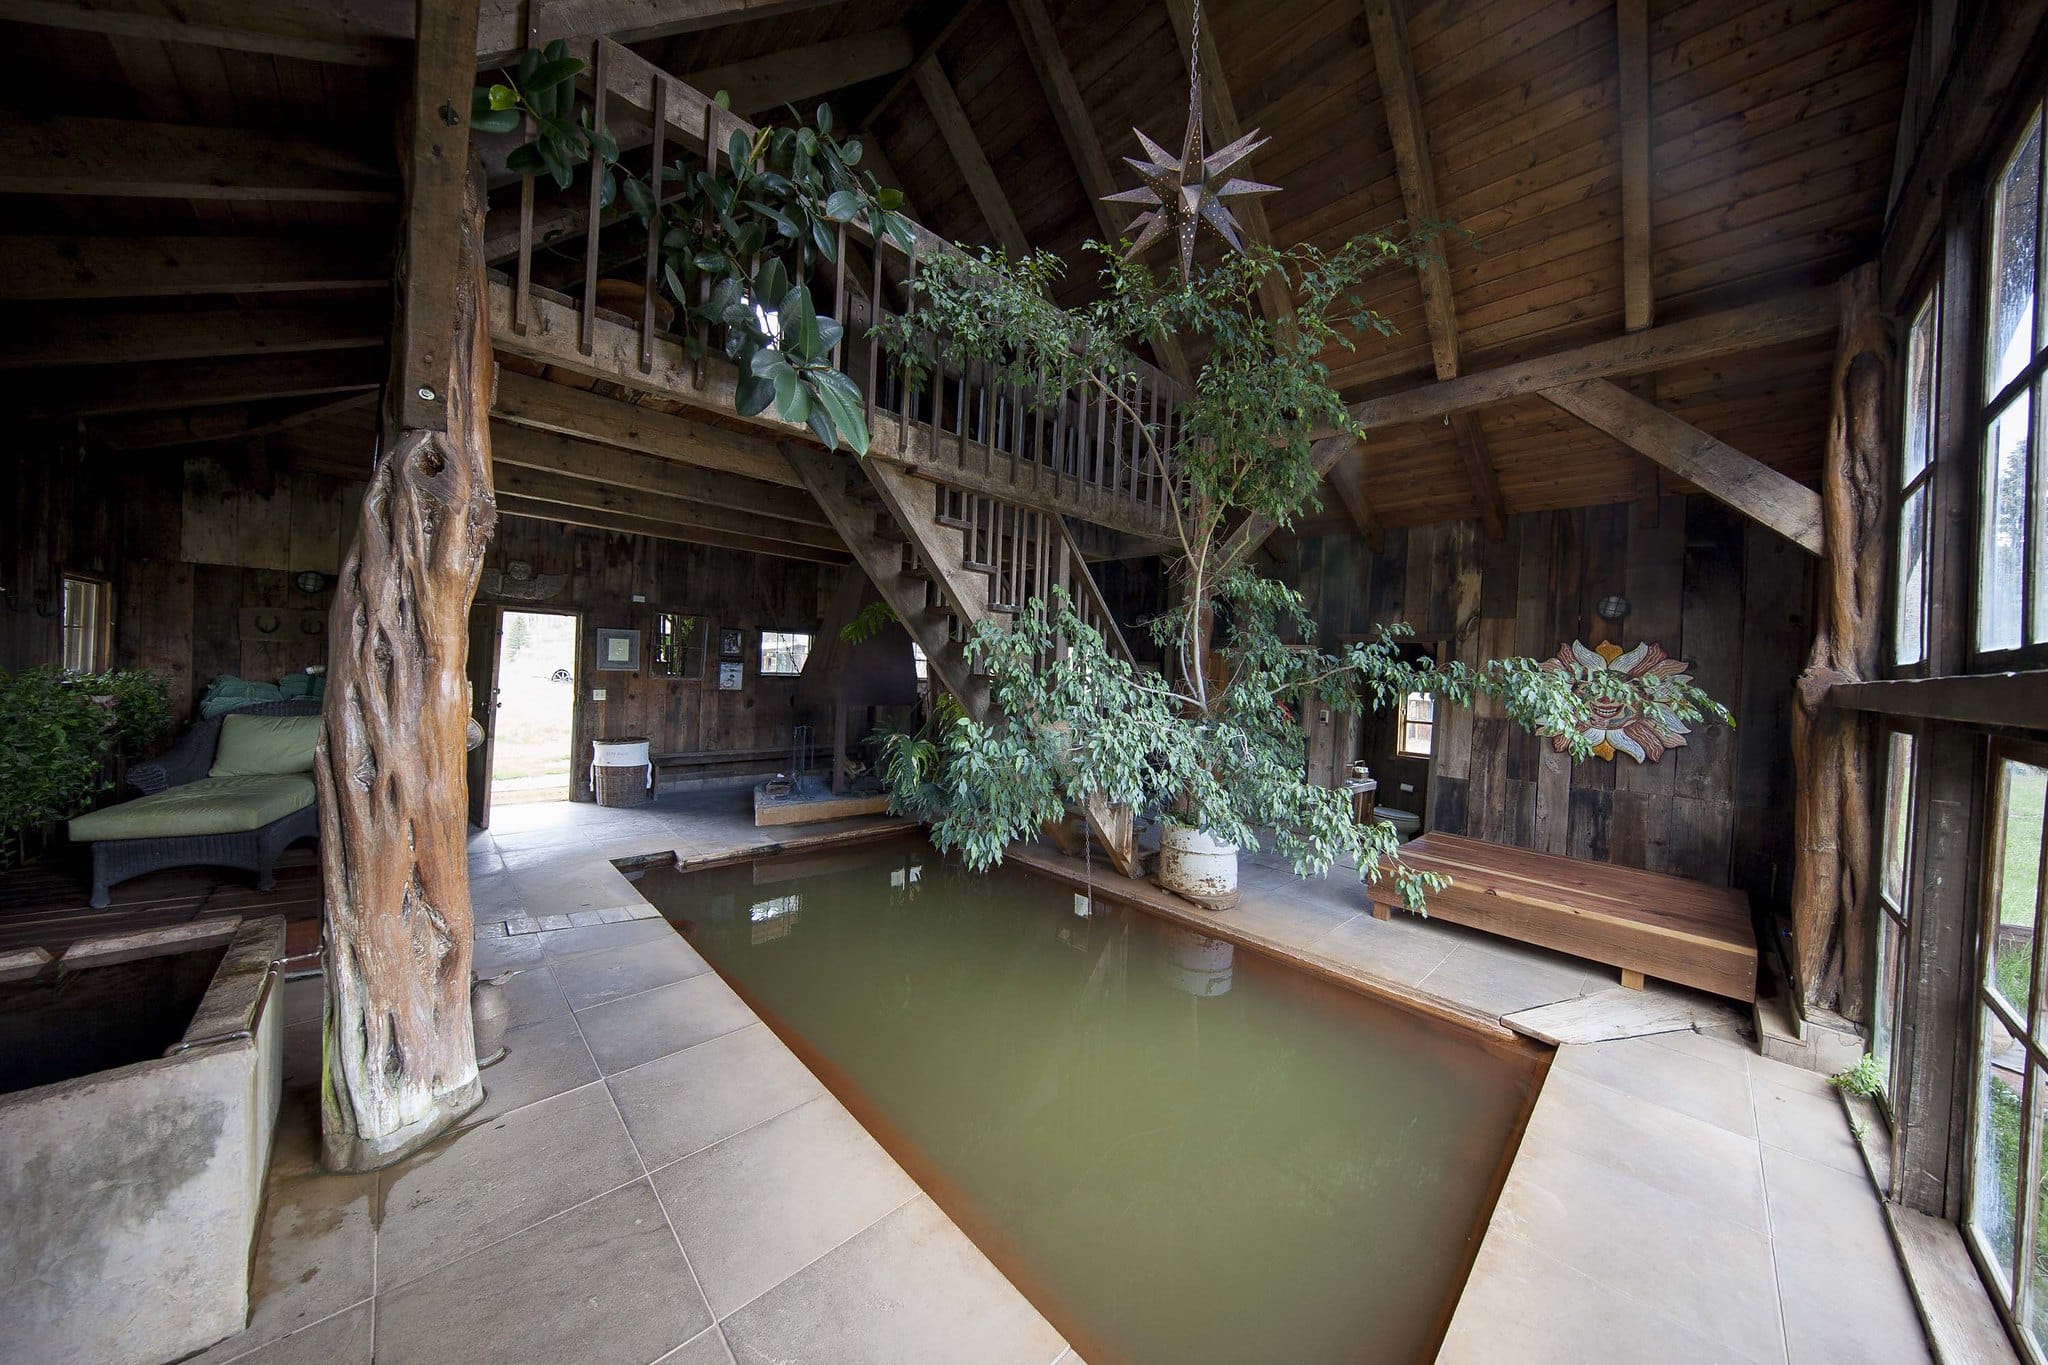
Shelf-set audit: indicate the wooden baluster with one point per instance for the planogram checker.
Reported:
(1101, 453)
(874, 347)
(960, 418)
(903, 373)
(651, 286)
(594, 217)
(839, 298)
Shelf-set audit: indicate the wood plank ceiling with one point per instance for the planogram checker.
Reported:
(1770, 129)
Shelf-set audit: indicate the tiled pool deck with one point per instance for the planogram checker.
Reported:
(654, 1177)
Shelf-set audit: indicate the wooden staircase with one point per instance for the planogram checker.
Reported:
(947, 559)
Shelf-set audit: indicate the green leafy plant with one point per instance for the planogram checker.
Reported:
(1865, 1078)
(1215, 742)
(870, 621)
(61, 729)
(739, 244)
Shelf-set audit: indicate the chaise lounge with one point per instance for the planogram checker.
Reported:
(234, 791)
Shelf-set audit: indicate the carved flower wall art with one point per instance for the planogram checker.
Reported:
(1643, 733)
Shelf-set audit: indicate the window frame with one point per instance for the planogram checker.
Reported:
(1402, 722)
(2008, 1286)
(100, 633)
(761, 669)
(1923, 483)
(679, 669)
(1895, 919)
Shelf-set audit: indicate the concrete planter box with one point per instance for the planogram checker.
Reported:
(129, 1195)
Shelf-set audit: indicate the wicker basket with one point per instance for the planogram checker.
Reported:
(620, 774)
(621, 786)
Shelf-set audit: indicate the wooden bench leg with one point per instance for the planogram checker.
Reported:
(1380, 910)
(1632, 980)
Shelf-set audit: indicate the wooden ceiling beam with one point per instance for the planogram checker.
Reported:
(516, 505)
(552, 453)
(1402, 102)
(602, 496)
(127, 159)
(543, 406)
(1791, 317)
(166, 386)
(1223, 127)
(968, 156)
(71, 267)
(960, 14)
(275, 28)
(235, 422)
(504, 31)
(802, 73)
(64, 336)
(1721, 471)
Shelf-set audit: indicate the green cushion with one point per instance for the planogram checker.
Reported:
(212, 805)
(260, 746)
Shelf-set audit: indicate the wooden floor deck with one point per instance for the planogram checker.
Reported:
(1645, 923)
(44, 905)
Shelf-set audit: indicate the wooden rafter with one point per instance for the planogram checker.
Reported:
(803, 73)
(541, 406)
(1721, 471)
(959, 137)
(933, 41)
(67, 337)
(550, 452)
(1403, 105)
(507, 26)
(168, 386)
(599, 495)
(562, 514)
(231, 423)
(72, 267)
(1792, 317)
(126, 159)
(1084, 147)
(307, 32)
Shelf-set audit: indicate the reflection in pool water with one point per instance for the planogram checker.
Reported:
(1184, 1152)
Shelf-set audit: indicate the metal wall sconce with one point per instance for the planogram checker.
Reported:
(1612, 608)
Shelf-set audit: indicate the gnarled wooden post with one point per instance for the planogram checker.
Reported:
(1831, 750)
(400, 1061)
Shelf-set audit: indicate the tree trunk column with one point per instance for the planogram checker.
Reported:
(1831, 750)
(400, 1061)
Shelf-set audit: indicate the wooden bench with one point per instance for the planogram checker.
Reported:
(1645, 923)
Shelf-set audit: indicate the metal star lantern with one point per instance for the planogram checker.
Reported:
(1180, 194)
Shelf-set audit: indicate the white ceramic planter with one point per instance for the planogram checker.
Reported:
(1197, 866)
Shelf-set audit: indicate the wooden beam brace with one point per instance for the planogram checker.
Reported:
(515, 505)
(46, 337)
(550, 452)
(153, 267)
(167, 386)
(540, 405)
(1719, 469)
(2019, 700)
(981, 180)
(1478, 462)
(1347, 478)
(1223, 126)
(304, 32)
(801, 73)
(599, 496)
(124, 159)
(1791, 318)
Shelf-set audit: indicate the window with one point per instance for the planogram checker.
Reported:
(2012, 547)
(783, 652)
(678, 645)
(1418, 726)
(1895, 857)
(1916, 474)
(920, 665)
(2010, 1090)
(88, 621)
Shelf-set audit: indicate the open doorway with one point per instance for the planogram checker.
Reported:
(534, 728)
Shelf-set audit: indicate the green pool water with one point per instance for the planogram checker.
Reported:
(1181, 1152)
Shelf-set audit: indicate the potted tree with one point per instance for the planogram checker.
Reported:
(1213, 743)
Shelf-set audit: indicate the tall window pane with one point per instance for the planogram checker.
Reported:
(1916, 456)
(2015, 237)
(1995, 1186)
(2001, 557)
(1898, 817)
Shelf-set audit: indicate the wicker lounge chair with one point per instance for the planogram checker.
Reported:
(190, 816)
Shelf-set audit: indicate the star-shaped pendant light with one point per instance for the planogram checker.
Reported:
(1180, 194)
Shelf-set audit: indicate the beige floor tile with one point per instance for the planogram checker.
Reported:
(610, 973)
(1648, 1071)
(533, 995)
(909, 1290)
(1483, 977)
(313, 1258)
(1395, 950)
(1846, 1301)
(343, 1339)
(594, 938)
(601, 1282)
(688, 1100)
(761, 1205)
(627, 1032)
(498, 1177)
(494, 955)
(1722, 1049)
(706, 1348)
(541, 1060)
(1806, 1124)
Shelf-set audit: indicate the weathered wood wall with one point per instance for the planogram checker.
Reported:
(1731, 598)
(603, 571)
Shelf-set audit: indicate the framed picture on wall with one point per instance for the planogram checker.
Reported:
(730, 675)
(618, 651)
(730, 640)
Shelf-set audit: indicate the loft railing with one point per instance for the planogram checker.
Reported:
(1078, 440)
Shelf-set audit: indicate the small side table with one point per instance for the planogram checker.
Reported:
(1364, 795)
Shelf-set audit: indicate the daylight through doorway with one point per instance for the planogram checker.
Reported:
(536, 707)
